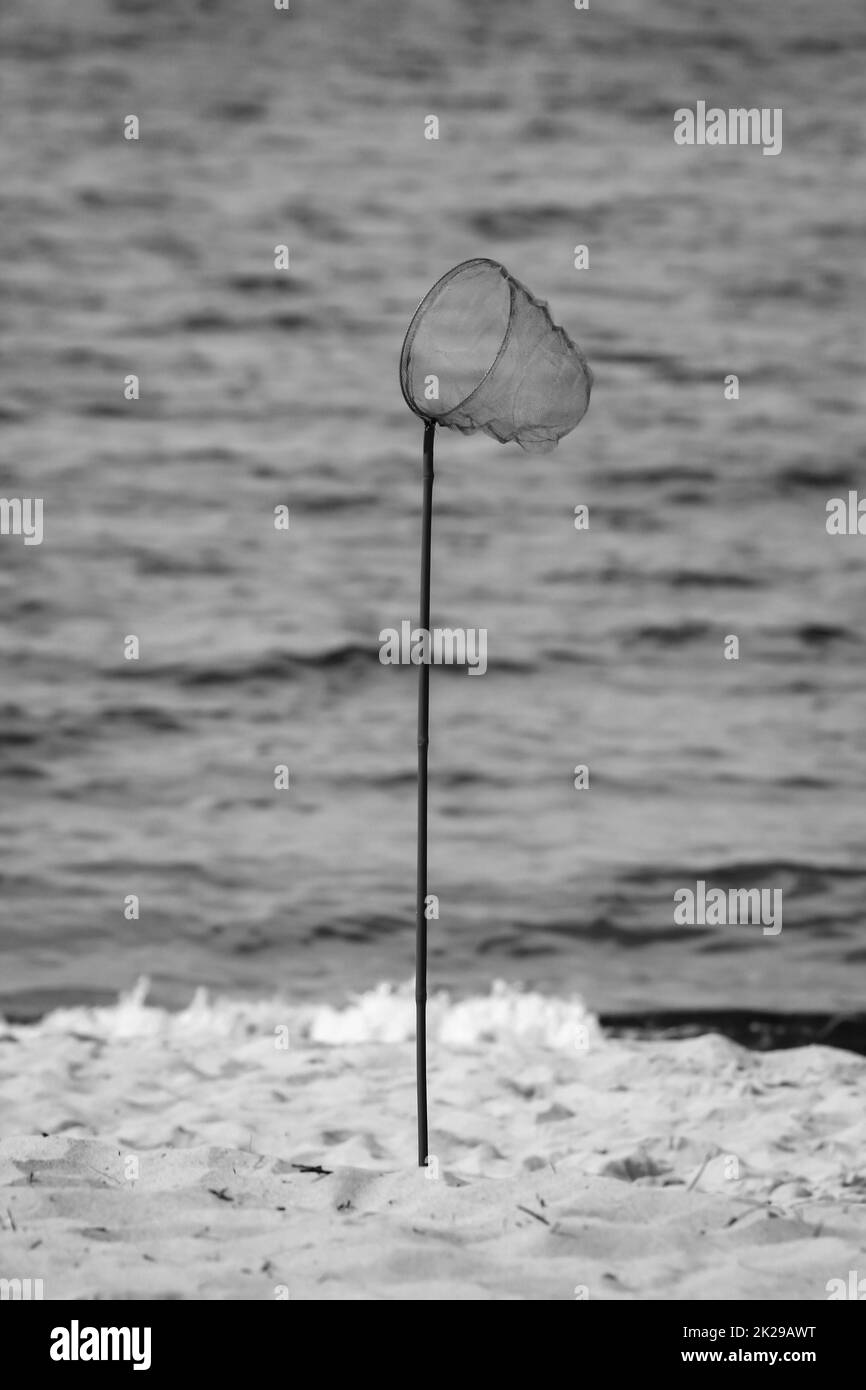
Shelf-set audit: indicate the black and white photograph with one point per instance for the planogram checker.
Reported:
(432, 545)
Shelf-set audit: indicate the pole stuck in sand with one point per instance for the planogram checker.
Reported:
(481, 353)
(423, 745)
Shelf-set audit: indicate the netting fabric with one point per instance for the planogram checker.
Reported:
(482, 353)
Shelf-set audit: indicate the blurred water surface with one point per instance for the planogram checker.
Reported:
(260, 388)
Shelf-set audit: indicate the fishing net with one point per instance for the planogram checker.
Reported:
(482, 353)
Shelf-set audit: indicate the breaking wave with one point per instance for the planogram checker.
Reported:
(385, 1014)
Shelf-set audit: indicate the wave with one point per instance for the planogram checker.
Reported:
(208, 320)
(507, 1015)
(662, 635)
(808, 877)
(349, 658)
(278, 666)
(385, 1014)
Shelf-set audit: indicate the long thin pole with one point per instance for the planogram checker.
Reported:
(423, 744)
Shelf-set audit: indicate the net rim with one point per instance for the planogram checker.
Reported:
(414, 323)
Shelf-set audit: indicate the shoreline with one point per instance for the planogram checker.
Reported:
(756, 1029)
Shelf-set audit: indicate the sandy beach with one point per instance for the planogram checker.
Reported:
(241, 1150)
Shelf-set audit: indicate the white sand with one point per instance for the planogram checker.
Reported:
(676, 1170)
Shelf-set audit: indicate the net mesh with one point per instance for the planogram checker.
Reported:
(482, 353)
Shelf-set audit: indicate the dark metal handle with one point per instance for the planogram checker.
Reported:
(423, 745)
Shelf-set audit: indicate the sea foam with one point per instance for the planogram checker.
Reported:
(385, 1014)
